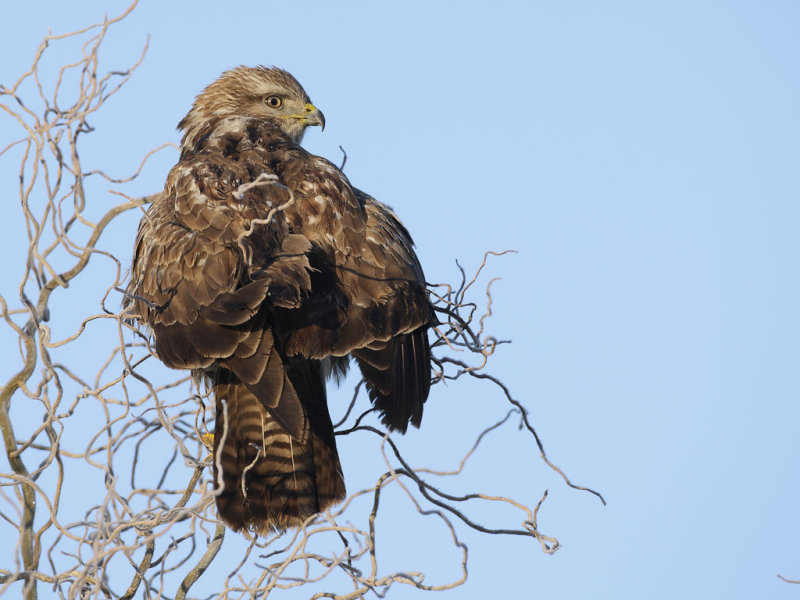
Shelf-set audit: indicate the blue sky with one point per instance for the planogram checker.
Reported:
(641, 158)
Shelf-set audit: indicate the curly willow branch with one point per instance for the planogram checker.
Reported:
(107, 489)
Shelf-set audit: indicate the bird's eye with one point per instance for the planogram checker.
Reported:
(274, 101)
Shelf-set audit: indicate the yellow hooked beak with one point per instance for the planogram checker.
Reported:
(312, 116)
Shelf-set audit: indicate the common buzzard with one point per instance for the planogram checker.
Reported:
(261, 267)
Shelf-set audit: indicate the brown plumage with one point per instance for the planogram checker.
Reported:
(263, 268)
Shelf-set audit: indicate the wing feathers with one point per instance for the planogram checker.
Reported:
(398, 377)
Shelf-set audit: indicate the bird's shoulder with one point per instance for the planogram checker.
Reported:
(250, 165)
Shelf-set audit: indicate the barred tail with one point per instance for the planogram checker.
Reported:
(269, 479)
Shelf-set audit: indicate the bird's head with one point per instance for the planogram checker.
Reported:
(266, 93)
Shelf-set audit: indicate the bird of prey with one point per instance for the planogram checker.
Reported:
(264, 270)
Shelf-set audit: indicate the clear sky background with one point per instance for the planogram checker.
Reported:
(643, 159)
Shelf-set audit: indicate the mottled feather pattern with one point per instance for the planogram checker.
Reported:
(261, 265)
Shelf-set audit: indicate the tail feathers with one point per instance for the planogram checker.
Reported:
(269, 480)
